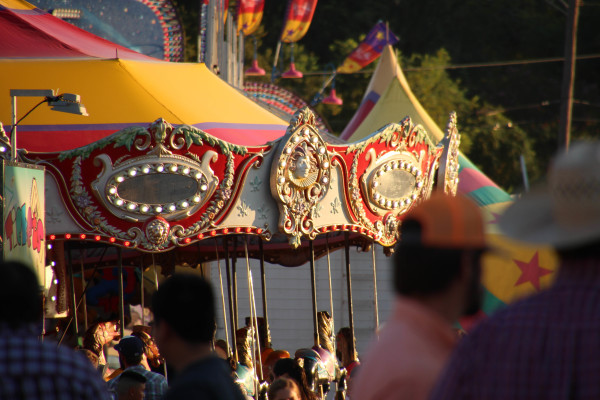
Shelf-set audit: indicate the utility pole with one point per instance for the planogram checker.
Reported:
(568, 79)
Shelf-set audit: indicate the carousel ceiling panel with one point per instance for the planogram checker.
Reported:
(58, 217)
(255, 207)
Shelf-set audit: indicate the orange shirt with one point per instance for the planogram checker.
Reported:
(406, 361)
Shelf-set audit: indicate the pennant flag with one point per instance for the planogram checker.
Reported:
(369, 49)
(297, 19)
(249, 15)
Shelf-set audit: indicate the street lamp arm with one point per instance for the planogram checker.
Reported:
(29, 112)
(66, 102)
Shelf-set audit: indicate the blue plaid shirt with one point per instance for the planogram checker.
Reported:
(546, 346)
(32, 369)
(156, 384)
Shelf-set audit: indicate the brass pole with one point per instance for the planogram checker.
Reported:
(313, 285)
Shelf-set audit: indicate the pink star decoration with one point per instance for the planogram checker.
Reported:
(531, 271)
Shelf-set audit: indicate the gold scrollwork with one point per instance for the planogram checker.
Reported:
(449, 166)
(300, 177)
(396, 136)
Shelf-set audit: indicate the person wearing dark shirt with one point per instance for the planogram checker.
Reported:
(184, 329)
(131, 354)
(131, 386)
(545, 346)
(30, 368)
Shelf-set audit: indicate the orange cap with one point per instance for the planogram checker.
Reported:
(448, 222)
(276, 355)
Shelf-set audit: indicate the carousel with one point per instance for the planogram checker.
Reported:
(165, 195)
(205, 186)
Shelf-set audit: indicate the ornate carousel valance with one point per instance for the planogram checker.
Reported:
(161, 187)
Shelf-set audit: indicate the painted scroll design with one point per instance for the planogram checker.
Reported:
(398, 137)
(159, 139)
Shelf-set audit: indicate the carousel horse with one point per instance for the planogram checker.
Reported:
(98, 335)
(264, 337)
(348, 357)
(326, 348)
(244, 373)
(155, 360)
(319, 362)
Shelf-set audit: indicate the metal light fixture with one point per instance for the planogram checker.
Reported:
(332, 98)
(292, 73)
(66, 102)
(255, 69)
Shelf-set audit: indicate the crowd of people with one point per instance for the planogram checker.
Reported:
(542, 347)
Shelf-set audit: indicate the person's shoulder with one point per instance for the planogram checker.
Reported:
(516, 313)
(64, 356)
(154, 376)
(505, 324)
(203, 387)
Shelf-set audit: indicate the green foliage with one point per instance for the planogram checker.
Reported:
(491, 140)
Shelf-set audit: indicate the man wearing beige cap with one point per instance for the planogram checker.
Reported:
(437, 279)
(546, 346)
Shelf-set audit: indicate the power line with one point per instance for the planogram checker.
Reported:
(500, 63)
(462, 66)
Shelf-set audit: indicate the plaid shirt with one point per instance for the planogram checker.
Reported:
(544, 347)
(32, 369)
(156, 384)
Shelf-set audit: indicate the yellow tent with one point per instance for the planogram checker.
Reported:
(119, 93)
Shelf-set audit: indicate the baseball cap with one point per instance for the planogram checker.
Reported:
(451, 222)
(130, 346)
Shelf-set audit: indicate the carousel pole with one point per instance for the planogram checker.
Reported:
(155, 273)
(222, 298)
(156, 286)
(73, 298)
(375, 301)
(85, 319)
(142, 290)
(330, 286)
(230, 293)
(253, 317)
(234, 284)
(314, 293)
(349, 285)
(121, 295)
(264, 290)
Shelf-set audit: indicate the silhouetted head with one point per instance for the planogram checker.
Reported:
(186, 303)
(20, 295)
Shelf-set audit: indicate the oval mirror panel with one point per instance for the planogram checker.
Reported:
(396, 184)
(157, 188)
